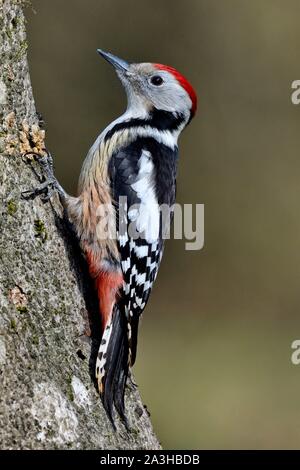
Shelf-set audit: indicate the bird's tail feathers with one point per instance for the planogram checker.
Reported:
(112, 364)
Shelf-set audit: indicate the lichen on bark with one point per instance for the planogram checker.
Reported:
(47, 395)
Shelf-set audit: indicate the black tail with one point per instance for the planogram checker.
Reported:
(112, 365)
(134, 327)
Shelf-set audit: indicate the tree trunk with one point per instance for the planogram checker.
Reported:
(48, 320)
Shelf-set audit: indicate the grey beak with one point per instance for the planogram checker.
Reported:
(118, 64)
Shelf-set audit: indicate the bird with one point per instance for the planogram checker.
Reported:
(128, 174)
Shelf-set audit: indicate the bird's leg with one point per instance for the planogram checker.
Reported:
(48, 181)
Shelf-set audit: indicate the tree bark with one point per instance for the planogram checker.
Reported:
(48, 318)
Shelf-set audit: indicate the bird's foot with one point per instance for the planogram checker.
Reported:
(45, 190)
(48, 182)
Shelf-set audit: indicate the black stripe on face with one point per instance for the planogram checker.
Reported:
(158, 119)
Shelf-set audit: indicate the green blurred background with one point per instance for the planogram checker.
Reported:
(214, 362)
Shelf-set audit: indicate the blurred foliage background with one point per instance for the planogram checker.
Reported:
(214, 350)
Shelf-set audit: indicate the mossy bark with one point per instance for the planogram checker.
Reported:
(47, 318)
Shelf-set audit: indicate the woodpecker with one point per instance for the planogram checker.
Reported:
(134, 158)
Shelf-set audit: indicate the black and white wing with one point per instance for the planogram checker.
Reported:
(142, 178)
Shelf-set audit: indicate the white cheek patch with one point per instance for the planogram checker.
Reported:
(147, 216)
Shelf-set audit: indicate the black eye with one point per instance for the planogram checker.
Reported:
(156, 80)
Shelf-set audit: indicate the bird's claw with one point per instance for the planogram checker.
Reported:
(46, 161)
(48, 181)
(45, 190)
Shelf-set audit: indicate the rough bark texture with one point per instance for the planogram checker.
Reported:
(47, 314)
